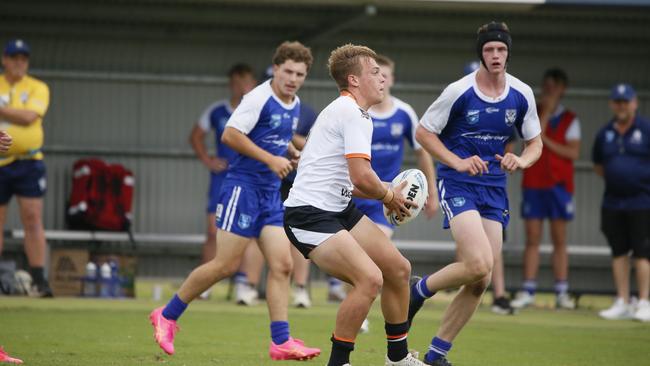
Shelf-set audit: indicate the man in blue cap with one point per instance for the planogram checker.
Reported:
(23, 103)
(621, 155)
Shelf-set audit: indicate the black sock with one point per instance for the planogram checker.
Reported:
(340, 351)
(396, 341)
(38, 276)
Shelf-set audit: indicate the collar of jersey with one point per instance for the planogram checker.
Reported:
(385, 115)
(277, 99)
(487, 99)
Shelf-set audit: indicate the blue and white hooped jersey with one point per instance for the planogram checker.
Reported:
(471, 123)
(270, 124)
(389, 131)
(215, 117)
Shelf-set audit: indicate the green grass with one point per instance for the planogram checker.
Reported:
(70, 331)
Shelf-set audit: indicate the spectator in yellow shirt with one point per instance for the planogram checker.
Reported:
(23, 103)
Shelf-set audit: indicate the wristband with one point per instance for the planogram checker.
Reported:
(388, 197)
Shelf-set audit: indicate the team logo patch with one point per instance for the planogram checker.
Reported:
(218, 215)
(609, 136)
(511, 116)
(458, 201)
(23, 97)
(472, 116)
(294, 124)
(244, 221)
(396, 129)
(276, 120)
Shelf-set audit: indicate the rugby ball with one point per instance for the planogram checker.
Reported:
(416, 190)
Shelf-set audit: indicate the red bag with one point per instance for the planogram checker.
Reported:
(101, 197)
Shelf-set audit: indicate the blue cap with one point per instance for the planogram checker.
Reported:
(16, 46)
(470, 67)
(622, 92)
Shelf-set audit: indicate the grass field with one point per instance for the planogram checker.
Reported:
(117, 332)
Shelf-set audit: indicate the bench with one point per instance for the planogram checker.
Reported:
(164, 252)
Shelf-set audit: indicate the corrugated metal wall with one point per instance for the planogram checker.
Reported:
(131, 92)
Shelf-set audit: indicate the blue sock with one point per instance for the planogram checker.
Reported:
(530, 286)
(174, 309)
(420, 291)
(333, 282)
(437, 349)
(561, 287)
(240, 277)
(280, 332)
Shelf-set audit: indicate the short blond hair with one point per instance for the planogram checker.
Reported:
(294, 51)
(346, 60)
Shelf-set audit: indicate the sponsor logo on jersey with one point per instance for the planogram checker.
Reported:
(609, 136)
(490, 110)
(511, 116)
(486, 137)
(276, 120)
(244, 221)
(396, 129)
(458, 201)
(472, 116)
(346, 193)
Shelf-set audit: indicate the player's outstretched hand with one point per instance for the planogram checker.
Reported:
(5, 141)
(396, 202)
(509, 162)
(280, 166)
(473, 165)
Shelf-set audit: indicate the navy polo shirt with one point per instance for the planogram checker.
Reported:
(626, 162)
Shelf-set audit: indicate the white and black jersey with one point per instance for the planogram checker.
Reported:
(342, 130)
(319, 203)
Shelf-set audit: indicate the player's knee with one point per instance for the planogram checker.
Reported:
(281, 267)
(399, 272)
(32, 222)
(479, 268)
(478, 288)
(371, 284)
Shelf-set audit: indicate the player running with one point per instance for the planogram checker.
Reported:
(466, 130)
(323, 223)
(259, 130)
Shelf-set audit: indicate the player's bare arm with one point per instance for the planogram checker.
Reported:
(368, 185)
(239, 142)
(425, 163)
(430, 141)
(532, 151)
(21, 117)
(197, 141)
(299, 141)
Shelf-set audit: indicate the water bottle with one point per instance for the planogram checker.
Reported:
(90, 280)
(105, 280)
(116, 283)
